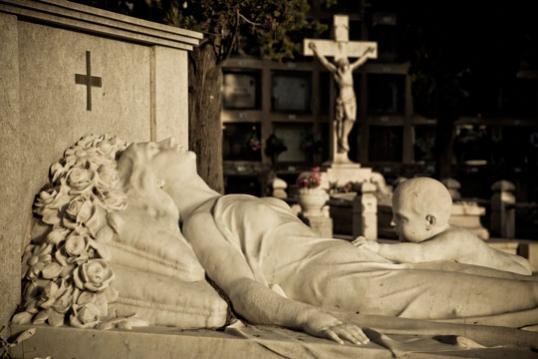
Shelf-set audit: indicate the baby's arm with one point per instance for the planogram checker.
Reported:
(464, 247)
(428, 251)
(457, 245)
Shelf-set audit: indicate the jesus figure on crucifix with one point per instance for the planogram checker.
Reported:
(346, 105)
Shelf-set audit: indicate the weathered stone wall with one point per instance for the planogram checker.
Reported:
(11, 227)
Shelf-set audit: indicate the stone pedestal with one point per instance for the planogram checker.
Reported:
(529, 250)
(365, 212)
(503, 211)
(467, 215)
(341, 173)
(314, 210)
(67, 70)
(278, 186)
(353, 213)
(453, 187)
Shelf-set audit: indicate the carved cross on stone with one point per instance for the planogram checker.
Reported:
(88, 80)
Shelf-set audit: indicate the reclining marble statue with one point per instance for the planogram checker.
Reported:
(106, 245)
(270, 267)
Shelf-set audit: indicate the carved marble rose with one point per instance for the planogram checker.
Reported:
(66, 277)
(94, 275)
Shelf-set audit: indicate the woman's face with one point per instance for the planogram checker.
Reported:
(169, 161)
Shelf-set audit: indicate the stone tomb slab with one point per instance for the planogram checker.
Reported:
(161, 342)
(259, 342)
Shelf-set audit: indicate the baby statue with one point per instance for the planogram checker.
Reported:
(421, 210)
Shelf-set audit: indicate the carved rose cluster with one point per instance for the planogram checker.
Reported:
(65, 272)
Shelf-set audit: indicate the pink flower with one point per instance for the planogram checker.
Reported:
(310, 179)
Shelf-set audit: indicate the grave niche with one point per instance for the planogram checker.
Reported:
(424, 143)
(296, 83)
(67, 70)
(295, 137)
(241, 90)
(386, 143)
(385, 94)
(241, 142)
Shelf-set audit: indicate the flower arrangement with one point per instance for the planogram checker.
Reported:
(345, 188)
(254, 142)
(310, 179)
(66, 276)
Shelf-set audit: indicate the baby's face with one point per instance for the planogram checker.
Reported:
(410, 225)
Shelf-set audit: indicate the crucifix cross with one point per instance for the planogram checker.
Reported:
(88, 80)
(342, 70)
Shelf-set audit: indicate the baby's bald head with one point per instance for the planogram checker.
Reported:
(424, 202)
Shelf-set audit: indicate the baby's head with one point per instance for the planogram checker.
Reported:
(421, 208)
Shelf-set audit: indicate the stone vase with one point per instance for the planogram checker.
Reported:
(312, 201)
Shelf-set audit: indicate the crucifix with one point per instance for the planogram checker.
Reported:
(88, 80)
(346, 105)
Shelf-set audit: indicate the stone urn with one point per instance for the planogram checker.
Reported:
(312, 201)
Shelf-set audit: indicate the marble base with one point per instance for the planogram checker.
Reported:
(342, 173)
(171, 343)
(164, 343)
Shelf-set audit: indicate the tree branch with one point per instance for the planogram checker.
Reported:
(247, 20)
(233, 38)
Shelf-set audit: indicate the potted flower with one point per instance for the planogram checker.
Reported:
(312, 196)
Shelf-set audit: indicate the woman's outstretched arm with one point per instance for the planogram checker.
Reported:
(227, 267)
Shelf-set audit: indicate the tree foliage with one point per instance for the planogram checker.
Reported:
(262, 28)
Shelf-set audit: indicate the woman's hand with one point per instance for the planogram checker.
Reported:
(324, 325)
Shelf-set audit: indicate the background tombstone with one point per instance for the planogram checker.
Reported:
(67, 70)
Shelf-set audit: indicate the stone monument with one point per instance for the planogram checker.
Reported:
(340, 169)
(67, 70)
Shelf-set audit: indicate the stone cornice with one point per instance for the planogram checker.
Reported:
(91, 20)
